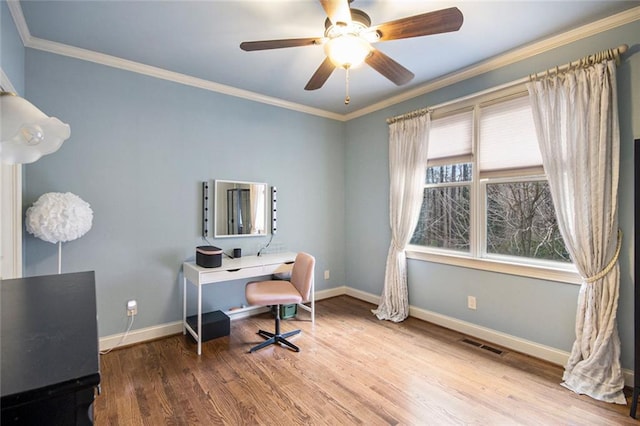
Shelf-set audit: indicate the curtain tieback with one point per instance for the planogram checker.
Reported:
(398, 248)
(610, 265)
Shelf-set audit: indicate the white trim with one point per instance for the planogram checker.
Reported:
(10, 210)
(496, 62)
(537, 350)
(331, 292)
(136, 67)
(246, 312)
(362, 295)
(508, 58)
(176, 327)
(6, 83)
(476, 257)
(527, 347)
(11, 221)
(18, 18)
(112, 61)
(628, 377)
(141, 335)
(493, 265)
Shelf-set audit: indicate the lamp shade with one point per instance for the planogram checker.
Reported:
(59, 217)
(26, 133)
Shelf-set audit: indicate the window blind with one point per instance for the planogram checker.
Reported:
(451, 136)
(508, 136)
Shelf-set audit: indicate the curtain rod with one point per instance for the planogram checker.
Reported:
(413, 114)
(605, 55)
(587, 60)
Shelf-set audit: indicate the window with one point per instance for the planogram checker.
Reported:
(486, 198)
(445, 214)
(521, 221)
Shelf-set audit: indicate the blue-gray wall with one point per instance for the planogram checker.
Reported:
(11, 49)
(140, 148)
(536, 310)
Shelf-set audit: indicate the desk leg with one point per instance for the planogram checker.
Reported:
(634, 402)
(199, 319)
(184, 305)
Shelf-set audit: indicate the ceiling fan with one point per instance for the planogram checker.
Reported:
(348, 37)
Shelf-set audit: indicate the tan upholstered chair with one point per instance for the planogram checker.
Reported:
(276, 293)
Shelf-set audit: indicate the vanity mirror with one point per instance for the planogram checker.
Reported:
(240, 209)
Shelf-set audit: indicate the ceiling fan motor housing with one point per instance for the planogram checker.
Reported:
(358, 17)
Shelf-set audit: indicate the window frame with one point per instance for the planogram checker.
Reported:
(477, 257)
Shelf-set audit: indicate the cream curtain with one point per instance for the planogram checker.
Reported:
(408, 144)
(576, 119)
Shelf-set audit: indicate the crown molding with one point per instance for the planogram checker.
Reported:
(160, 73)
(112, 61)
(508, 58)
(18, 18)
(6, 83)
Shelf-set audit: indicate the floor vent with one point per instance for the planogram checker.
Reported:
(491, 349)
(472, 342)
(483, 346)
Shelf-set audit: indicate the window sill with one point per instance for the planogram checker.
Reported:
(563, 275)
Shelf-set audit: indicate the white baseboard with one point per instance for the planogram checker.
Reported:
(547, 353)
(141, 335)
(332, 292)
(362, 295)
(163, 330)
(537, 350)
(628, 377)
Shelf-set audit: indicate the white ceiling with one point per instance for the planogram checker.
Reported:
(200, 41)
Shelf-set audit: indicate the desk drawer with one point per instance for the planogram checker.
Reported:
(278, 268)
(233, 274)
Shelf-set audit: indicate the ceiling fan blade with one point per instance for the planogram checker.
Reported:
(337, 10)
(279, 44)
(440, 21)
(389, 68)
(321, 75)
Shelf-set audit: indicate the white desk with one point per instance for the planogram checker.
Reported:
(234, 269)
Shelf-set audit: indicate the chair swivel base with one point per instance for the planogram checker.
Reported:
(273, 339)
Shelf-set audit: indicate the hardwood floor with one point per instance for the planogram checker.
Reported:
(352, 369)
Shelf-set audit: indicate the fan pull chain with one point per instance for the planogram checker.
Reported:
(347, 99)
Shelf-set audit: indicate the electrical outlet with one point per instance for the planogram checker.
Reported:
(132, 308)
(327, 274)
(471, 302)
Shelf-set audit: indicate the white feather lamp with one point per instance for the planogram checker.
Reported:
(59, 217)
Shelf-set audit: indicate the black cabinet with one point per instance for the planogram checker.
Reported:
(636, 262)
(49, 350)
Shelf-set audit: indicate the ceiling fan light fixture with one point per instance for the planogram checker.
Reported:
(347, 50)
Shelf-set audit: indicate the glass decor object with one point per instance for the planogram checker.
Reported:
(26, 132)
